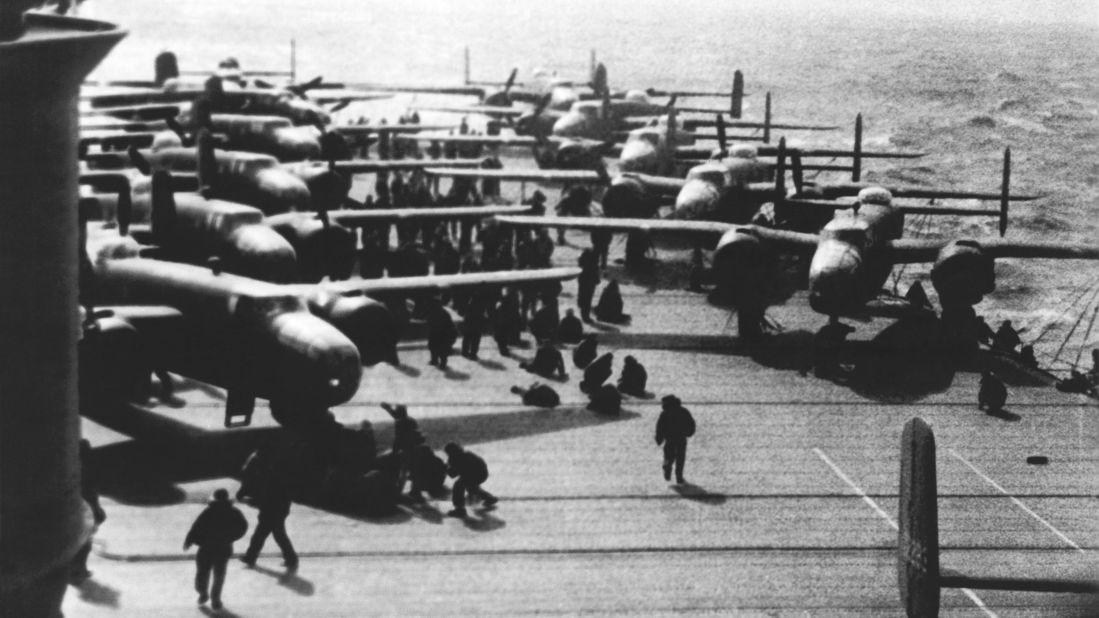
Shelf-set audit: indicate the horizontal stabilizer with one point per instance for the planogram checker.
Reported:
(440, 282)
(525, 175)
(353, 218)
(367, 166)
(771, 151)
(486, 110)
(370, 129)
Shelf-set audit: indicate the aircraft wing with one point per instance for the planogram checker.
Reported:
(118, 139)
(354, 218)
(471, 91)
(664, 185)
(370, 287)
(792, 241)
(321, 95)
(491, 140)
(918, 250)
(137, 314)
(486, 110)
(694, 152)
(151, 97)
(139, 111)
(834, 190)
(372, 129)
(525, 175)
(367, 166)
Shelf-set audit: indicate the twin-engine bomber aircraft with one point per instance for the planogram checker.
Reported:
(851, 256)
(303, 345)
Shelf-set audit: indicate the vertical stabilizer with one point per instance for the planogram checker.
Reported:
(918, 520)
(736, 104)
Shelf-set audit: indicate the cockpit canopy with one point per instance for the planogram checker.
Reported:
(744, 151)
(875, 195)
(711, 173)
(246, 163)
(637, 96)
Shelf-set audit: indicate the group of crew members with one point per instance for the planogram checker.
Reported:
(389, 148)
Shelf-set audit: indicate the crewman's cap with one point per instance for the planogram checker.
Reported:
(221, 495)
(670, 401)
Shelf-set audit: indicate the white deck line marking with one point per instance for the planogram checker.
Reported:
(862, 494)
(1018, 502)
(874, 505)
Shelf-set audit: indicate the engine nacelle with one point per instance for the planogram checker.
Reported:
(113, 364)
(366, 322)
(320, 250)
(259, 252)
(963, 274)
(626, 197)
(743, 267)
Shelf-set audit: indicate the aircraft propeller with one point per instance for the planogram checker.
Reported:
(163, 217)
(302, 88)
(723, 146)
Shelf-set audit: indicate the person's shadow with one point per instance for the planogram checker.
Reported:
(220, 613)
(1003, 414)
(97, 593)
(485, 523)
(288, 579)
(452, 374)
(695, 493)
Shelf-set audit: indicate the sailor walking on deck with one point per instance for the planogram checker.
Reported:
(673, 428)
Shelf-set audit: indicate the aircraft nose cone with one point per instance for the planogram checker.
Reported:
(283, 192)
(637, 157)
(568, 127)
(831, 292)
(697, 200)
(320, 363)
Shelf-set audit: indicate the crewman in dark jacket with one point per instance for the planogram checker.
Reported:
(571, 329)
(633, 378)
(587, 282)
(470, 471)
(673, 428)
(543, 325)
(1007, 338)
(547, 363)
(575, 203)
(992, 394)
(474, 324)
(586, 352)
(407, 437)
(538, 394)
(610, 305)
(506, 322)
(606, 400)
(274, 508)
(78, 566)
(214, 531)
(441, 335)
(597, 372)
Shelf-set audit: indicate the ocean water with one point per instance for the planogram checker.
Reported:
(960, 81)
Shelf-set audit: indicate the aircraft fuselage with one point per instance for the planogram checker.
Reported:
(238, 333)
(851, 262)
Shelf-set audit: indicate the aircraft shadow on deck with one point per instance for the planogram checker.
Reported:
(166, 452)
(908, 360)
